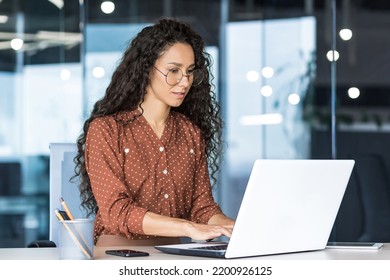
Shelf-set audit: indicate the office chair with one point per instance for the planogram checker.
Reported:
(61, 186)
(375, 196)
(41, 244)
(364, 214)
(11, 221)
(61, 171)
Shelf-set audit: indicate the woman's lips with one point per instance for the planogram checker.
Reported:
(179, 94)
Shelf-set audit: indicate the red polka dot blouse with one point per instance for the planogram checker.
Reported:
(132, 171)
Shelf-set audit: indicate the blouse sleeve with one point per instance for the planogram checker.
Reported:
(203, 204)
(104, 163)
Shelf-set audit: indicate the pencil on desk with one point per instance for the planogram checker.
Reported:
(72, 235)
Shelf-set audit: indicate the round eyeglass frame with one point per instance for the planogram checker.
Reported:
(190, 77)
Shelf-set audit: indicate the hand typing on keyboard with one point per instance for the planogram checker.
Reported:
(201, 232)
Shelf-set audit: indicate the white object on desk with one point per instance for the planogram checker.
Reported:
(354, 245)
(288, 206)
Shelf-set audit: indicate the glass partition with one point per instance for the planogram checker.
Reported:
(269, 74)
(40, 103)
(274, 78)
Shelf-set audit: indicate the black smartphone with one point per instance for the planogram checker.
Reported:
(127, 253)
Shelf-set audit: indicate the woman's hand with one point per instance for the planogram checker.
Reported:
(154, 224)
(206, 232)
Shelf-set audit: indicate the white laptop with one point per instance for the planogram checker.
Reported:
(288, 206)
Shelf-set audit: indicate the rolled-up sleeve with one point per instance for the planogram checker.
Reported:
(118, 212)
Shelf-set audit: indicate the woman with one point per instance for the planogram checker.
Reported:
(144, 153)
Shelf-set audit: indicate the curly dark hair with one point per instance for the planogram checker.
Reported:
(128, 88)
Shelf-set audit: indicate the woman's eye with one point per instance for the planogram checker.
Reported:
(189, 72)
(174, 70)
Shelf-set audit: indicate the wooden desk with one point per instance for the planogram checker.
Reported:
(99, 254)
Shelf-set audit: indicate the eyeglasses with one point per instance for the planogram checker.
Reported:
(175, 75)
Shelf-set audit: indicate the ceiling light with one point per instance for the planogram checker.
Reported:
(3, 18)
(17, 44)
(267, 72)
(353, 92)
(107, 7)
(58, 3)
(332, 55)
(266, 91)
(294, 99)
(252, 76)
(345, 34)
(98, 72)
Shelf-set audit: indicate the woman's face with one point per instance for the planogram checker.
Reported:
(179, 57)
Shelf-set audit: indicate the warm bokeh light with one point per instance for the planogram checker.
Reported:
(345, 34)
(266, 91)
(294, 99)
(107, 7)
(353, 92)
(98, 72)
(267, 72)
(332, 55)
(17, 44)
(252, 76)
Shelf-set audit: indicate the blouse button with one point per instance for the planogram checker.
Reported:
(166, 196)
(127, 150)
(192, 151)
(161, 149)
(165, 172)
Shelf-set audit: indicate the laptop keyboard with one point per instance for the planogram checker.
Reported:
(213, 248)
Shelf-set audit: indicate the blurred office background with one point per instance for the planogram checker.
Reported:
(274, 73)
